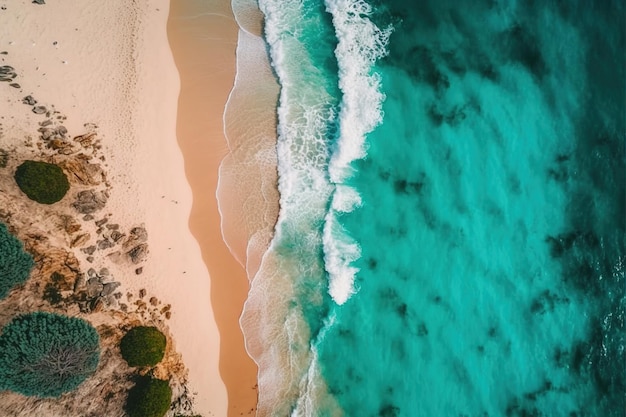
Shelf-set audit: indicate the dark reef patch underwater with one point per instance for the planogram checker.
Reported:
(491, 224)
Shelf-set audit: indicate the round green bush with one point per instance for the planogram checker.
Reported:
(46, 355)
(42, 182)
(15, 264)
(143, 346)
(149, 397)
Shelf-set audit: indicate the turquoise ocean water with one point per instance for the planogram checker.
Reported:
(451, 237)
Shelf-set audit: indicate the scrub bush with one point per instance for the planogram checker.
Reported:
(149, 397)
(15, 264)
(42, 182)
(46, 355)
(143, 346)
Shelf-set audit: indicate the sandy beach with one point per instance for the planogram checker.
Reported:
(108, 67)
(204, 38)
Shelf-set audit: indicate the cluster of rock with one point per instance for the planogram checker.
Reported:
(56, 139)
(97, 290)
(8, 74)
(152, 307)
(30, 101)
(90, 201)
(131, 247)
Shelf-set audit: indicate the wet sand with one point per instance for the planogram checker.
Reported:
(203, 39)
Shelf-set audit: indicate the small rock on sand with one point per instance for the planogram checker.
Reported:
(30, 101)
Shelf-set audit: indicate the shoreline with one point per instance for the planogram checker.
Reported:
(203, 41)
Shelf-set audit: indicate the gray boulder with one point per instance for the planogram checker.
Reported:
(90, 201)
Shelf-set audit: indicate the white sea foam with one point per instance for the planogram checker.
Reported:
(314, 399)
(360, 44)
(277, 333)
(340, 251)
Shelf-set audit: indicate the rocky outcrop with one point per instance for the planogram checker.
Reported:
(90, 201)
(83, 172)
(80, 240)
(85, 140)
(96, 292)
(135, 246)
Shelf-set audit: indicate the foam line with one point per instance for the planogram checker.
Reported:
(360, 44)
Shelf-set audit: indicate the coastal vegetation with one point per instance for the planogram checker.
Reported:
(56, 258)
(143, 346)
(46, 355)
(150, 397)
(15, 263)
(42, 182)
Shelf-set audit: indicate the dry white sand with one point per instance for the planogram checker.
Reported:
(109, 63)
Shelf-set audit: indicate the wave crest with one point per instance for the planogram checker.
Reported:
(360, 44)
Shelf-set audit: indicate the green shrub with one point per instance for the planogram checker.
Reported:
(15, 264)
(143, 346)
(42, 182)
(149, 397)
(46, 355)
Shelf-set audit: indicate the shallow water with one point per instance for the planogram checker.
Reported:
(451, 232)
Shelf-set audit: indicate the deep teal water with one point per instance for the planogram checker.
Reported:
(487, 246)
